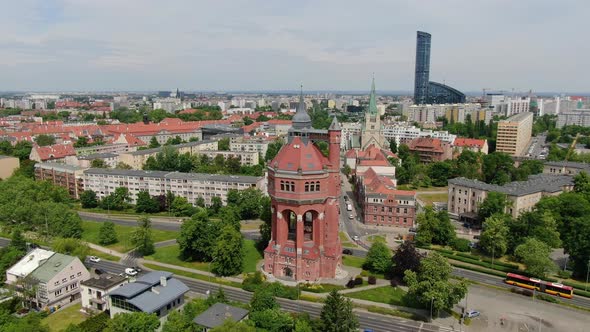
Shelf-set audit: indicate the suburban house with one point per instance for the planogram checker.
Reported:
(95, 290)
(218, 313)
(56, 276)
(156, 292)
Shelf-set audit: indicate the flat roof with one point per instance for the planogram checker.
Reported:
(104, 282)
(59, 167)
(175, 175)
(518, 117)
(30, 262)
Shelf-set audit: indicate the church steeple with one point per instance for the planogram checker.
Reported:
(373, 99)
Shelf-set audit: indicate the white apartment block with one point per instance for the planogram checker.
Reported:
(188, 185)
(168, 104)
(580, 117)
(256, 144)
(429, 113)
(405, 133)
(351, 131)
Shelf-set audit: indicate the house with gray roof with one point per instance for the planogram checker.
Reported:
(156, 292)
(218, 313)
(56, 276)
(95, 290)
(465, 195)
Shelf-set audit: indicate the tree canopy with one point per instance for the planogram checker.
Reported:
(337, 314)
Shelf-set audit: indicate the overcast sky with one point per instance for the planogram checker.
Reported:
(279, 44)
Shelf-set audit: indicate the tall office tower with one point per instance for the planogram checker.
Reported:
(422, 68)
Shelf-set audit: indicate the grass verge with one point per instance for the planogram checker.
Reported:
(91, 230)
(345, 241)
(102, 255)
(59, 320)
(385, 294)
(353, 261)
(429, 199)
(391, 312)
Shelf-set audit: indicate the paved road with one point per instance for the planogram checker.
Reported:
(367, 320)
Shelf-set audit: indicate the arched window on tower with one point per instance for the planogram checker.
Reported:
(308, 226)
(306, 186)
(282, 185)
(292, 223)
(317, 186)
(292, 186)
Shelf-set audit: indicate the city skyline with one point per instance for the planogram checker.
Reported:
(137, 46)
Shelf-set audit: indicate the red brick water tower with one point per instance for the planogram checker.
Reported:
(304, 187)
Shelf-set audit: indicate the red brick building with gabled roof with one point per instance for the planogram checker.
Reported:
(431, 149)
(54, 152)
(472, 144)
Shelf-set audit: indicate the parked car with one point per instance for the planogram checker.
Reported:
(350, 216)
(347, 252)
(99, 272)
(356, 238)
(130, 272)
(94, 259)
(136, 268)
(471, 313)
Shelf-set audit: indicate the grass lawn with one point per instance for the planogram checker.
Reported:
(91, 230)
(59, 320)
(373, 238)
(103, 255)
(428, 199)
(194, 275)
(385, 294)
(251, 225)
(345, 241)
(169, 255)
(353, 261)
(421, 189)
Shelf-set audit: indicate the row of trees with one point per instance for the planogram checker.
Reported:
(169, 159)
(495, 168)
(126, 115)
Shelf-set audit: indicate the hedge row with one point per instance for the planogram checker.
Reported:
(479, 258)
(480, 263)
(477, 269)
(574, 284)
(581, 292)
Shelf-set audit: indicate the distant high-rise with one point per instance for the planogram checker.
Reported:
(422, 68)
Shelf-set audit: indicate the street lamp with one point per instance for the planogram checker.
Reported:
(587, 274)
(210, 273)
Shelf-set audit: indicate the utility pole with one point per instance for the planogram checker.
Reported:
(587, 275)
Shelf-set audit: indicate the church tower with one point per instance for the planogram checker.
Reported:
(304, 187)
(371, 132)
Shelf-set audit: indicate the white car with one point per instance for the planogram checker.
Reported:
(130, 272)
(471, 314)
(356, 238)
(94, 259)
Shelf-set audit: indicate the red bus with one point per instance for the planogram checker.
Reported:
(539, 285)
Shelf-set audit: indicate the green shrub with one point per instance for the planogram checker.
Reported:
(95, 323)
(477, 269)
(252, 281)
(564, 274)
(547, 298)
(372, 280)
(581, 292)
(460, 244)
(358, 280)
(574, 284)
(350, 283)
(364, 273)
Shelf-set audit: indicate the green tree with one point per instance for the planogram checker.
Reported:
(263, 299)
(434, 227)
(247, 121)
(216, 204)
(406, 257)
(498, 168)
(272, 320)
(230, 325)
(70, 246)
(535, 255)
(337, 314)
(181, 207)
(133, 322)
(17, 241)
(158, 115)
(178, 321)
(273, 149)
(346, 170)
(582, 183)
(81, 142)
(107, 233)
(378, 258)
(223, 144)
(439, 172)
(197, 238)
(393, 145)
(468, 165)
(228, 253)
(22, 150)
(265, 227)
(122, 165)
(494, 203)
(98, 163)
(146, 203)
(494, 237)
(142, 238)
(88, 199)
(44, 140)
(431, 285)
(154, 143)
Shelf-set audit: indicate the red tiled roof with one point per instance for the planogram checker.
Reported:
(350, 153)
(426, 143)
(461, 141)
(56, 151)
(279, 122)
(299, 155)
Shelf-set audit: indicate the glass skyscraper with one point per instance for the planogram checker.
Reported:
(422, 76)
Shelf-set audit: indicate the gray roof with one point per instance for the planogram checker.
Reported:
(175, 175)
(570, 164)
(518, 117)
(535, 183)
(177, 146)
(148, 295)
(219, 312)
(59, 167)
(93, 156)
(104, 282)
(52, 266)
(301, 119)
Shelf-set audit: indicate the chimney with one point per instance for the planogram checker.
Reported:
(163, 281)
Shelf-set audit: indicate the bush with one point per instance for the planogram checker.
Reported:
(393, 282)
(350, 284)
(95, 323)
(581, 292)
(461, 245)
(364, 273)
(547, 298)
(358, 280)
(477, 269)
(280, 290)
(372, 280)
(252, 281)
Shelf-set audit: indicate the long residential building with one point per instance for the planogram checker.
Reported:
(191, 186)
(66, 176)
(136, 159)
(465, 195)
(405, 133)
(514, 134)
(578, 117)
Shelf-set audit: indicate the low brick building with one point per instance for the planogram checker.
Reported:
(431, 149)
(381, 203)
